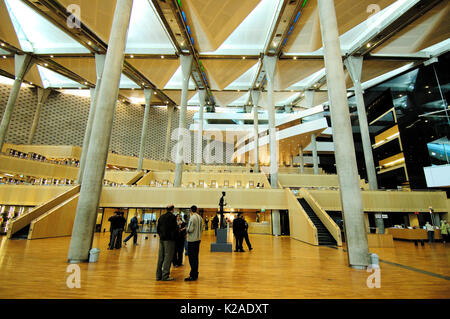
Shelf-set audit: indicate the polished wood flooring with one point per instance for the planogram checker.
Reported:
(278, 267)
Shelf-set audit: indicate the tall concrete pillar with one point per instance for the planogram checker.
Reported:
(302, 160)
(170, 109)
(354, 67)
(22, 64)
(186, 68)
(269, 67)
(148, 93)
(199, 159)
(99, 65)
(42, 98)
(86, 213)
(350, 192)
(314, 154)
(309, 96)
(255, 99)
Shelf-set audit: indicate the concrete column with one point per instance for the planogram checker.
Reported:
(302, 160)
(356, 237)
(199, 160)
(314, 154)
(42, 98)
(169, 131)
(255, 99)
(86, 213)
(379, 222)
(186, 68)
(309, 96)
(99, 65)
(354, 67)
(148, 93)
(276, 227)
(22, 64)
(269, 67)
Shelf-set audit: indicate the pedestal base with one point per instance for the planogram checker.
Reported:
(221, 244)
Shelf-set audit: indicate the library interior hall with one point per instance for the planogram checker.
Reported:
(322, 126)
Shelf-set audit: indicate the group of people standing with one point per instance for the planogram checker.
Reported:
(172, 230)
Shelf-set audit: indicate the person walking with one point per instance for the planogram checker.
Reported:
(179, 242)
(167, 230)
(430, 230)
(194, 237)
(247, 240)
(134, 226)
(238, 231)
(444, 231)
(206, 222)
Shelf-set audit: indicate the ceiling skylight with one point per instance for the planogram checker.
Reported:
(175, 83)
(251, 35)
(245, 81)
(146, 34)
(51, 79)
(38, 35)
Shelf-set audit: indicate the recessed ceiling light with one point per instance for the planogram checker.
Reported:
(131, 56)
(4, 57)
(368, 45)
(3, 44)
(295, 58)
(51, 56)
(89, 42)
(243, 58)
(45, 64)
(162, 56)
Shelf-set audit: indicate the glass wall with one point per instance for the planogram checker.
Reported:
(409, 125)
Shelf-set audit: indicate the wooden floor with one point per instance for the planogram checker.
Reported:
(278, 267)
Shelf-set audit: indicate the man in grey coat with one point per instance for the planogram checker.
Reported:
(194, 236)
(167, 229)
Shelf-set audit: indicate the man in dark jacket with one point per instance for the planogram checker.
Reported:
(238, 231)
(167, 229)
(114, 229)
(247, 240)
(121, 221)
(134, 226)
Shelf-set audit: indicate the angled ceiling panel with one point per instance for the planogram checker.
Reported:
(158, 71)
(175, 95)
(97, 15)
(137, 96)
(7, 32)
(432, 28)
(289, 72)
(224, 72)
(32, 76)
(214, 21)
(225, 98)
(84, 67)
(278, 97)
(306, 36)
(38, 35)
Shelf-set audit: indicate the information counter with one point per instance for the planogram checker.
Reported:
(412, 234)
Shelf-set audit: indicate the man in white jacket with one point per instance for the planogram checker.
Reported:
(194, 236)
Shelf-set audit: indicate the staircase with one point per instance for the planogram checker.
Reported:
(323, 234)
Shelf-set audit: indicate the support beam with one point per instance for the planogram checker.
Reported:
(42, 98)
(148, 93)
(309, 96)
(186, 68)
(23, 64)
(351, 200)
(255, 94)
(199, 160)
(269, 67)
(99, 66)
(302, 161)
(86, 213)
(170, 109)
(354, 67)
